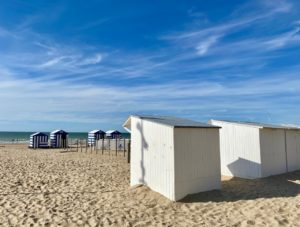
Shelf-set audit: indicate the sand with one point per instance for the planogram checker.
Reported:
(55, 188)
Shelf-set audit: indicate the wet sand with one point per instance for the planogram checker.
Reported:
(55, 188)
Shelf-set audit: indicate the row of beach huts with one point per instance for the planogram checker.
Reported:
(177, 157)
(59, 138)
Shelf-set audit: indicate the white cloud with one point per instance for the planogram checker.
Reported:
(207, 36)
(51, 50)
(51, 62)
(66, 94)
(278, 6)
(92, 60)
(34, 100)
(204, 46)
(251, 16)
(284, 39)
(69, 85)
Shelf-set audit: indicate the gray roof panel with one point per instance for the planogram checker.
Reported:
(175, 122)
(263, 125)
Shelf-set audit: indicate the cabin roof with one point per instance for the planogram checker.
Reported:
(170, 121)
(113, 131)
(97, 131)
(59, 131)
(39, 134)
(260, 125)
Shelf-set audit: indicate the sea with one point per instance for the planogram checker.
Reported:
(23, 137)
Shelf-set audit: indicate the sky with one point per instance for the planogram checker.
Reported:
(81, 65)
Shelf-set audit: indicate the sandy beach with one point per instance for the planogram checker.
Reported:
(56, 188)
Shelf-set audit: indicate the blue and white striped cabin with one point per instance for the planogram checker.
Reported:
(113, 134)
(38, 140)
(59, 139)
(95, 135)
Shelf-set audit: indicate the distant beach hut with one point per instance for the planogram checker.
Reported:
(255, 150)
(174, 156)
(59, 139)
(113, 134)
(95, 135)
(38, 140)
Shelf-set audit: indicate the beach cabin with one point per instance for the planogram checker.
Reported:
(254, 150)
(113, 134)
(59, 139)
(174, 156)
(38, 140)
(95, 135)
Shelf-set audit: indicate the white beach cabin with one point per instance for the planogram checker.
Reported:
(59, 139)
(174, 156)
(38, 140)
(95, 135)
(254, 150)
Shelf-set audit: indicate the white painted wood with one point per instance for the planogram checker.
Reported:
(38, 140)
(56, 140)
(239, 150)
(152, 156)
(272, 142)
(197, 160)
(293, 149)
(174, 161)
(254, 151)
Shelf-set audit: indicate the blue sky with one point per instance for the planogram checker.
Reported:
(80, 65)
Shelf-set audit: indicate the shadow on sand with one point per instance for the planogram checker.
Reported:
(235, 189)
(68, 151)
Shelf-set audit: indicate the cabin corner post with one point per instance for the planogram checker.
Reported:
(286, 155)
(129, 151)
(124, 146)
(116, 146)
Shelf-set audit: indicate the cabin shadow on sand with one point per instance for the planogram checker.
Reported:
(236, 189)
(69, 151)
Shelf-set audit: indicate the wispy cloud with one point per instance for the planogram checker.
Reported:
(270, 9)
(97, 58)
(62, 97)
(278, 6)
(203, 46)
(203, 38)
(51, 50)
(218, 69)
(284, 39)
(52, 62)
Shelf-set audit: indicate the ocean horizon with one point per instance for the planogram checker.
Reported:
(23, 137)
